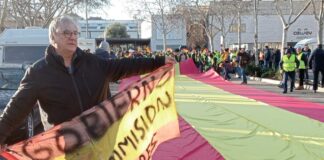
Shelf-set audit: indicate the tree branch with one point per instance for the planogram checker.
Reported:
(280, 13)
(300, 13)
(314, 11)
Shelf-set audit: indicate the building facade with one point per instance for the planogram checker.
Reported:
(270, 31)
(96, 28)
(270, 28)
(176, 36)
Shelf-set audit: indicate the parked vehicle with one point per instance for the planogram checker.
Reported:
(21, 46)
(9, 83)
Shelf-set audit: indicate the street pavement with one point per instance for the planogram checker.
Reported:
(272, 86)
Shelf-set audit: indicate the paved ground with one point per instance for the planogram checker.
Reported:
(272, 86)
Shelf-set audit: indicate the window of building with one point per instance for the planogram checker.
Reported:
(234, 28)
(132, 27)
(23, 54)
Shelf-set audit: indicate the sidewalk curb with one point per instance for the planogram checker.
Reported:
(277, 82)
(271, 81)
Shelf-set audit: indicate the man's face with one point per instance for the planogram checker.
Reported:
(66, 38)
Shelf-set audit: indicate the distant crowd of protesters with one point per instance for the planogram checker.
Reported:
(235, 61)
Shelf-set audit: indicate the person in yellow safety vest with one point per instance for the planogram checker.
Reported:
(225, 56)
(289, 64)
(302, 58)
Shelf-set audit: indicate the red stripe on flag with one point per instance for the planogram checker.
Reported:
(190, 145)
(7, 156)
(299, 106)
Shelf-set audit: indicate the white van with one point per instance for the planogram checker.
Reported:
(22, 46)
(25, 46)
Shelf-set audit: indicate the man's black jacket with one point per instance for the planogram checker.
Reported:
(64, 93)
(316, 59)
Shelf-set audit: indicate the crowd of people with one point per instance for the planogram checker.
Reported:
(225, 62)
(235, 61)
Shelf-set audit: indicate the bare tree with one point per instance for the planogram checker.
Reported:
(41, 12)
(319, 18)
(3, 14)
(162, 15)
(201, 14)
(196, 36)
(281, 8)
(211, 16)
(241, 7)
(225, 16)
(37, 13)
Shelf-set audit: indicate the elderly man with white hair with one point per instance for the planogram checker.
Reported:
(67, 80)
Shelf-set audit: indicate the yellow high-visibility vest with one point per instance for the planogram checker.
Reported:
(289, 64)
(301, 62)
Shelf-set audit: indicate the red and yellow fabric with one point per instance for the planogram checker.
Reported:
(129, 126)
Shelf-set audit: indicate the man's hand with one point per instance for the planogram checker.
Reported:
(170, 60)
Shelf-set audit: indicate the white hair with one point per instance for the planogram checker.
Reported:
(56, 23)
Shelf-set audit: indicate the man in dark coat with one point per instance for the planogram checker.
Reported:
(103, 51)
(267, 57)
(67, 81)
(243, 62)
(316, 62)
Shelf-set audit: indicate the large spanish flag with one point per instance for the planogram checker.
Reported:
(222, 120)
(127, 127)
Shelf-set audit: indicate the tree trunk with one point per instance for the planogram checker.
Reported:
(320, 32)
(210, 42)
(212, 35)
(3, 15)
(284, 39)
(320, 24)
(224, 40)
(164, 40)
(256, 54)
(239, 30)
